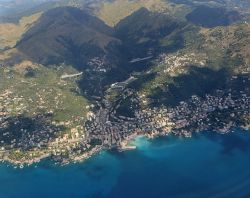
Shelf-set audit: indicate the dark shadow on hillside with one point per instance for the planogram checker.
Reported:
(141, 34)
(69, 35)
(199, 81)
(66, 35)
(141, 80)
(212, 17)
(27, 132)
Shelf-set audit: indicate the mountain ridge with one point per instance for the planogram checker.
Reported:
(62, 26)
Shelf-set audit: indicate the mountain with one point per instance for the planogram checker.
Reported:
(143, 30)
(76, 36)
(73, 36)
(112, 12)
(67, 35)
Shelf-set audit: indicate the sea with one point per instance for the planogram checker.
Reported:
(208, 165)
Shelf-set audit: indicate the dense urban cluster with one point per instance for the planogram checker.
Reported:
(221, 112)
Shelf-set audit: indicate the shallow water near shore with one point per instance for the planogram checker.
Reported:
(206, 165)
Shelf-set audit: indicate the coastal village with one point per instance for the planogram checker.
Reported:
(221, 112)
(35, 127)
(113, 122)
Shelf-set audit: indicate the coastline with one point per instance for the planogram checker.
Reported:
(24, 163)
(124, 146)
(127, 173)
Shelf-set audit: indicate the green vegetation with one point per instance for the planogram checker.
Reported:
(45, 92)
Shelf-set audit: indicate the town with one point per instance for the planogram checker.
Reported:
(112, 121)
(221, 112)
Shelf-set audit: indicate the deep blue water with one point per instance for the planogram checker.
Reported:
(207, 165)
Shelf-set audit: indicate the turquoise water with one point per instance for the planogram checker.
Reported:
(207, 165)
